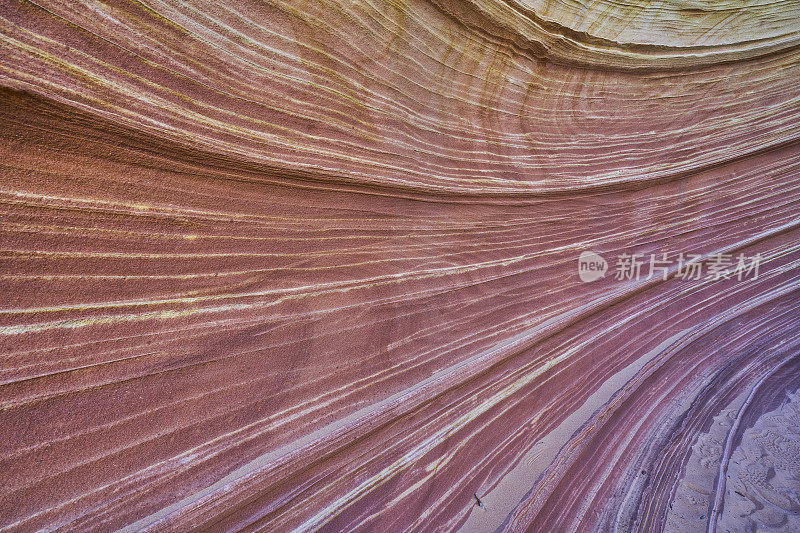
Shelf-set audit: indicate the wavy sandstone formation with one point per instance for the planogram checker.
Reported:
(275, 265)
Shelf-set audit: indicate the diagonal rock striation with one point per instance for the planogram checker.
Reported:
(296, 265)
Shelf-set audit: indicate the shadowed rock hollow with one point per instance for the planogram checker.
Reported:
(304, 265)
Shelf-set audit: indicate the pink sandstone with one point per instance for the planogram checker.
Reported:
(282, 265)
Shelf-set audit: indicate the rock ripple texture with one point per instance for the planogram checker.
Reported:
(308, 265)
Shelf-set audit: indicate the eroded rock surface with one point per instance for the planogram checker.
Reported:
(285, 265)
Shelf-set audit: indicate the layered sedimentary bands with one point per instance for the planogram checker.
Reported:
(313, 265)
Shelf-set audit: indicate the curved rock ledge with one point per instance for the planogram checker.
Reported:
(283, 265)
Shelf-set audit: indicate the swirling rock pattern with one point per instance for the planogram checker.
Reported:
(275, 265)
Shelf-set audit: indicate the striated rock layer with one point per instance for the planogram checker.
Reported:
(276, 265)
